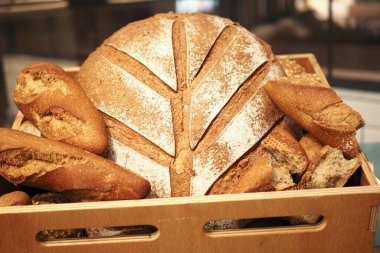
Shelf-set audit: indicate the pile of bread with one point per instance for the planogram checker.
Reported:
(175, 105)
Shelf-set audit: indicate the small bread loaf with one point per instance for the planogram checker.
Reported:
(16, 198)
(58, 167)
(320, 111)
(328, 169)
(285, 149)
(59, 108)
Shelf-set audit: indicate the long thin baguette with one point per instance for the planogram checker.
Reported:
(319, 110)
(58, 167)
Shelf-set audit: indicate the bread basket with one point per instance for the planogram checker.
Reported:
(348, 223)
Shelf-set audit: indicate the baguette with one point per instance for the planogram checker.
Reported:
(58, 167)
(319, 110)
(16, 198)
(59, 108)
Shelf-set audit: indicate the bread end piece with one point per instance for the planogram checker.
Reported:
(257, 178)
(329, 169)
(284, 148)
(325, 116)
(58, 167)
(56, 104)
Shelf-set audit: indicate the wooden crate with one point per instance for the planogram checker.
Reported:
(348, 224)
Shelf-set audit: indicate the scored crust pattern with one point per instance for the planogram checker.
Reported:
(182, 98)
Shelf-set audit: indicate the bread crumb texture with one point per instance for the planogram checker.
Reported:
(20, 163)
(329, 169)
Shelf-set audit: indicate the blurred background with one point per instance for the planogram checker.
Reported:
(344, 35)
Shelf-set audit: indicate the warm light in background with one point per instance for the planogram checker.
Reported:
(195, 5)
(341, 9)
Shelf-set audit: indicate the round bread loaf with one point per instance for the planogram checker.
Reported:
(182, 97)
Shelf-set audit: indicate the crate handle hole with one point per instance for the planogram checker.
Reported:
(140, 232)
(311, 221)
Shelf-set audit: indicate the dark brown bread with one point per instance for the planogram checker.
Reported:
(58, 167)
(59, 108)
(16, 198)
(319, 110)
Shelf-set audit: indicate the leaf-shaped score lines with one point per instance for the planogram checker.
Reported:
(128, 89)
(241, 58)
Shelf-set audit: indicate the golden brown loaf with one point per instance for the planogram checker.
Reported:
(59, 108)
(183, 98)
(319, 110)
(58, 167)
(16, 198)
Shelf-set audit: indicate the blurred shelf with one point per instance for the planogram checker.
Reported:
(10, 9)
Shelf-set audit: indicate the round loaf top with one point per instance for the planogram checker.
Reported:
(182, 97)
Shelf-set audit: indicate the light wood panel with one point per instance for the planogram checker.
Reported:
(350, 216)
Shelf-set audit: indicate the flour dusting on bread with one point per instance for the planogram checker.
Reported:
(156, 174)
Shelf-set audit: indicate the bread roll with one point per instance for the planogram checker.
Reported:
(59, 108)
(16, 198)
(58, 167)
(319, 110)
(184, 93)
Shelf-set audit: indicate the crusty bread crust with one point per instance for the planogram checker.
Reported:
(58, 167)
(329, 169)
(285, 149)
(320, 111)
(189, 86)
(59, 108)
(257, 178)
(311, 146)
(16, 198)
